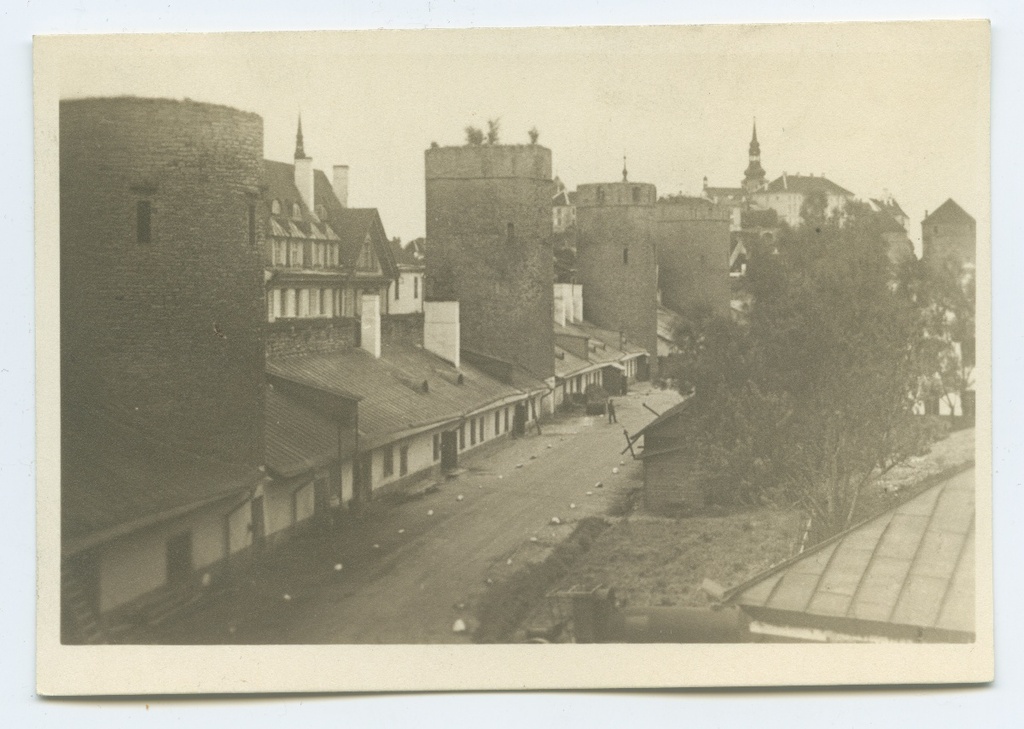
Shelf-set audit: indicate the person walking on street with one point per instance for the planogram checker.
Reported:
(611, 412)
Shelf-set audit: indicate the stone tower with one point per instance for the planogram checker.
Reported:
(693, 254)
(617, 259)
(161, 243)
(488, 246)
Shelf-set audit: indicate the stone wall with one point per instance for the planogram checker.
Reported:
(170, 330)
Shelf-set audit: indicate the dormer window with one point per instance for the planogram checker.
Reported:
(296, 210)
(275, 207)
(321, 212)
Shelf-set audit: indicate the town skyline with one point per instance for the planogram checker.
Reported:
(655, 107)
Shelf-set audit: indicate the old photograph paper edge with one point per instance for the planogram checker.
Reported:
(133, 670)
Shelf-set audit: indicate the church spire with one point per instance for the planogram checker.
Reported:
(754, 177)
(300, 153)
(625, 173)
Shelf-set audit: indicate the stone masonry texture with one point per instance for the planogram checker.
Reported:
(693, 255)
(617, 260)
(488, 236)
(168, 334)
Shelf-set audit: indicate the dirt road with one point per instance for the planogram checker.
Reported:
(413, 569)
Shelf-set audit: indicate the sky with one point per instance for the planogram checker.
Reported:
(874, 107)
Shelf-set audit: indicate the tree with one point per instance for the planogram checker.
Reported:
(493, 130)
(474, 135)
(534, 135)
(811, 399)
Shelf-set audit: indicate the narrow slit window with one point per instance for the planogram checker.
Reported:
(625, 256)
(510, 232)
(143, 228)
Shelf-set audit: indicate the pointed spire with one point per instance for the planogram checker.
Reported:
(300, 153)
(625, 172)
(755, 146)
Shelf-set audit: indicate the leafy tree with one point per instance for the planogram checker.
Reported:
(493, 130)
(474, 135)
(811, 399)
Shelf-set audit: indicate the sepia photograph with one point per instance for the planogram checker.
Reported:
(469, 347)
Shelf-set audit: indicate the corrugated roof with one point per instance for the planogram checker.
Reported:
(299, 439)
(607, 346)
(805, 184)
(911, 567)
(116, 477)
(393, 398)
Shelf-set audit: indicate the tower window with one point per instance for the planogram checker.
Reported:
(252, 225)
(625, 256)
(143, 213)
(510, 232)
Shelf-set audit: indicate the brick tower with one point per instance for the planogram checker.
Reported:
(488, 246)
(617, 259)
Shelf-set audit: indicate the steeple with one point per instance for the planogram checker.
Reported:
(625, 173)
(754, 177)
(300, 153)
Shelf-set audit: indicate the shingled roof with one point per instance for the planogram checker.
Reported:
(299, 439)
(907, 574)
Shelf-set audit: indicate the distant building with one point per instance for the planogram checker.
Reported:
(617, 259)
(949, 233)
(405, 294)
(563, 208)
(786, 195)
(489, 230)
(905, 576)
(162, 352)
(895, 224)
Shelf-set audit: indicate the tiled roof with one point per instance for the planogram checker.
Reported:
(393, 398)
(299, 439)
(908, 572)
(569, 365)
(949, 212)
(805, 184)
(116, 478)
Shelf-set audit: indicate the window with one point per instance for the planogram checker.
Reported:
(327, 308)
(483, 424)
(510, 232)
(303, 303)
(472, 431)
(348, 303)
(275, 207)
(143, 213)
(506, 420)
(290, 306)
(389, 460)
(295, 251)
(415, 287)
(497, 422)
(403, 460)
(462, 436)
(337, 302)
(252, 225)
(296, 210)
(437, 446)
(279, 249)
(625, 256)
(314, 302)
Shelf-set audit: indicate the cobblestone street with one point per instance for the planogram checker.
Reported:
(410, 571)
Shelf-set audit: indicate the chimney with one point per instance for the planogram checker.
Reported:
(559, 310)
(370, 324)
(441, 330)
(577, 302)
(340, 184)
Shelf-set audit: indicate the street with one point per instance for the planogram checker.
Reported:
(409, 571)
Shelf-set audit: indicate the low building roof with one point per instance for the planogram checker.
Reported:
(610, 347)
(907, 573)
(676, 410)
(569, 365)
(299, 439)
(118, 476)
(394, 400)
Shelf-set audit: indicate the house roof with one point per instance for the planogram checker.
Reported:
(949, 212)
(609, 347)
(568, 364)
(117, 477)
(724, 191)
(678, 409)
(280, 181)
(806, 184)
(299, 439)
(393, 398)
(906, 572)
(405, 256)
(889, 205)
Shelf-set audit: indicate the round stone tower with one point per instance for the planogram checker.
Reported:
(162, 307)
(488, 246)
(693, 254)
(617, 260)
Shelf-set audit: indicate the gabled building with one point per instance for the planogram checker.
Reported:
(786, 195)
(949, 233)
(405, 294)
